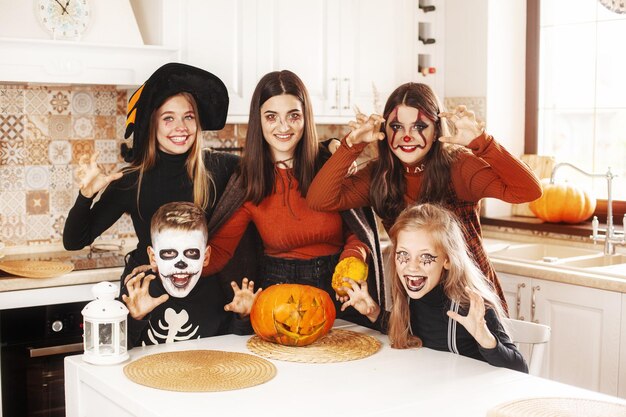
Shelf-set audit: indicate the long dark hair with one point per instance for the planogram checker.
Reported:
(257, 166)
(388, 185)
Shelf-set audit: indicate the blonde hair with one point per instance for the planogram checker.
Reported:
(203, 185)
(446, 232)
(180, 215)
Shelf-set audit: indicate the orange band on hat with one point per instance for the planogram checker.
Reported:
(132, 106)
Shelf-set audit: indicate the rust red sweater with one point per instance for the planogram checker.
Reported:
(489, 171)
(287, 226)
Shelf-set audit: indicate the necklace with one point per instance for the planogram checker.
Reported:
(284, 162)
(416, 169)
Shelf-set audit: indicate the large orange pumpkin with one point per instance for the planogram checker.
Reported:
(292, 314)
(563, 202)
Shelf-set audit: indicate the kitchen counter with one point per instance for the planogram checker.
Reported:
(390, 382)
(90, 267)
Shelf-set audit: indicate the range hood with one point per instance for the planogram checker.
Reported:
(113, 50)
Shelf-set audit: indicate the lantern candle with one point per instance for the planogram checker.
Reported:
(105, 327)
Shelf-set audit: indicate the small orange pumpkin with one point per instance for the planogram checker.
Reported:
(349, 267)
(292, 314)
(563, 202)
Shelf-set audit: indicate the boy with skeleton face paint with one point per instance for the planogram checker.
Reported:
(180, 305)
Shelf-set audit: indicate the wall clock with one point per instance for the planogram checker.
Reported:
(64, 19)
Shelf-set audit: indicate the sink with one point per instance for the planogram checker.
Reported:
(540, 252)
(596, 261)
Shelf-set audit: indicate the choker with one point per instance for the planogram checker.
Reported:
(283, 163)
(415, 170)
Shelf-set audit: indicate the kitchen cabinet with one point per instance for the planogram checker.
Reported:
(220, 37)
(584, 347)
(621, 383)
(348, 52)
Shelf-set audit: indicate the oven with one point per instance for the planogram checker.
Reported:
(34, 341)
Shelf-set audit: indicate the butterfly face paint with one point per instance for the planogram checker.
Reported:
(418, 263)
(179, 256)
(410, 134)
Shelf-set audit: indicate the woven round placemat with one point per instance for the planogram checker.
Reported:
(36, 269)
(338, 345)
(200, 371)
(557, 407)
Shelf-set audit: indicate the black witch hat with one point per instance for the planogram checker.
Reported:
(208, 90)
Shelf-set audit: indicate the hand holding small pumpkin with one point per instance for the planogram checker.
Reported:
(243, 299)
(352, 268)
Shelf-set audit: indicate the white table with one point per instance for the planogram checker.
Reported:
(391, 382)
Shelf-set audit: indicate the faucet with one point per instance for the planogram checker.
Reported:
(610, 236)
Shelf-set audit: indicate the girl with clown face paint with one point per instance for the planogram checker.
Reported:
(420, 161)
(440, 299)
(180, 305)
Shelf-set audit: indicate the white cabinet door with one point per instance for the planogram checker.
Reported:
(301, 36)
(585, 339)
(219, 36)
(516, 293)
(584, 348)
(347, 52)
(378, 41)
(621, 383)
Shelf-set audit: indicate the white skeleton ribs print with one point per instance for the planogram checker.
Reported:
(173, 330)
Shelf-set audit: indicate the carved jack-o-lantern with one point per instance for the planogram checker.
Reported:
(292, 314)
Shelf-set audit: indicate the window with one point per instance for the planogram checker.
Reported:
(580, 99)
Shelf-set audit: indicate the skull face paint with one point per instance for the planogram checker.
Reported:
(179, 256)
(410, 134)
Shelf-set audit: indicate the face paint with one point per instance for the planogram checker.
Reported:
(410, 134)
(179, 256)
(417, 267)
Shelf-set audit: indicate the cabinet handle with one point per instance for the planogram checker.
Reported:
(518, 300)
(533, 303)
(347, 107)
(337, 93)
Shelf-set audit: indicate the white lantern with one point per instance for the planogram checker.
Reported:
(105, 326)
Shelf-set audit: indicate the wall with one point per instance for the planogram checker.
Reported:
(44, 130)
(485, 69)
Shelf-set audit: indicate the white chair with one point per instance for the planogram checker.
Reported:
(535, 335)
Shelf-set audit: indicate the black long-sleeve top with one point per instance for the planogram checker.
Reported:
(430, 322)
(199, 314)
(168, 181)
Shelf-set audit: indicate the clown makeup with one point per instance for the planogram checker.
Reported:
(179, 256)
(418, 262)
(410, 134)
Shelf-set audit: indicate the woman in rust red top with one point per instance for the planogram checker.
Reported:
(281, 157)
(420, 162)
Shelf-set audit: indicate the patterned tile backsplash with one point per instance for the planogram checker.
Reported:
(44, 130)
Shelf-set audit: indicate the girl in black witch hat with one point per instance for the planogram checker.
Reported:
(167, 163)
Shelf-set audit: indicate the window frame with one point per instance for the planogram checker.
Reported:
(533, 20)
